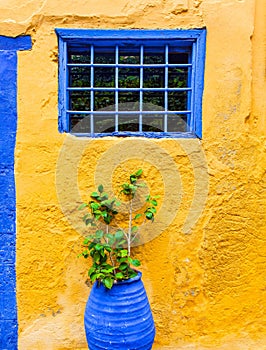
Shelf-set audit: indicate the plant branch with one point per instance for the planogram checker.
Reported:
(130, 226)
(106, 241)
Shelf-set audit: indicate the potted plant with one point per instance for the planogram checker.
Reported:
(117, 314)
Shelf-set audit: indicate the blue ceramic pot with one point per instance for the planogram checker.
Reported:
(119, 318)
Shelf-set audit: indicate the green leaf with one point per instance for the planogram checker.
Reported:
(95, 195)
(135, 262)
(94, 205)
(137, 216)
(132, 273)
(91, 271)
(99, 234)
(100, 188)
(104, 196)
(140, 185)
(119, 276)
(98, 246)
(82, 206)
(108, 282)
(93, 277)
(96, 257)
(88, 221)
(149, 215)
(119, 235)
(134, 229)
(138, 173)
(133, 179)
(110, 238)
(123, 266)
(123, 253)
(86, 241)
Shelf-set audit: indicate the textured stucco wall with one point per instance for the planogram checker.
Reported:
(205, 272)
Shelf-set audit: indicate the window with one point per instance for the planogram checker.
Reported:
(131, 82)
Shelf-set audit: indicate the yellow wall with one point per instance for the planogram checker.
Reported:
(205, 272)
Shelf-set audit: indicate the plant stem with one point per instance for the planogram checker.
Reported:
(129, 227)
(106, 241)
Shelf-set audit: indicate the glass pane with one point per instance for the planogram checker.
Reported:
(79, 100)
(177, 100)
(80, 123)
(128, 78)
(175, 57)
(128, 122)
(104, 55)
(153, 78)
(177, 77)
(154, 55)
(153, 123)
(128, 101)
(153, 101)
(104, 77)
(104, 99)
(177, 123)
(129, 56)
(79, 77)
(104, 123)
(79, 57)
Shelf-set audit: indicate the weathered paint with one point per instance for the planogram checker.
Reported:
(205, 272)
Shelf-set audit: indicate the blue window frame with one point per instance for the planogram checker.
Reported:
(131, 82)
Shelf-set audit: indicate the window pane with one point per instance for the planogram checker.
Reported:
(175, 57)
(177, 77)
(128, 101)
(104, 123)
(153, 123)
(154, 55)
(80, 123)
(104, 77)
(79, 57)
(153, 78)
(128, 122)
(79, 77)
(153, 100)
(177, 123)
(104, 99)
(129, 56)
(104, 55)
(177, 100)
(128, 78)
(79, 100)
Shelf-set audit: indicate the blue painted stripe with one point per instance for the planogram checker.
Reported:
(15, 44)
(8, 129)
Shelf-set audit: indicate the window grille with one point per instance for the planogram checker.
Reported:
(131, 82)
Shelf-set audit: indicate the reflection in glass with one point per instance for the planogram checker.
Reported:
(177, 123)
(104, 123)
(104, 77)
(153, 78)
(79, 100)
(104, 99)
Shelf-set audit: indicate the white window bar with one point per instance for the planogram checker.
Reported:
(116, 87)
(92, 91)
(141, 86)
(166, 87)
